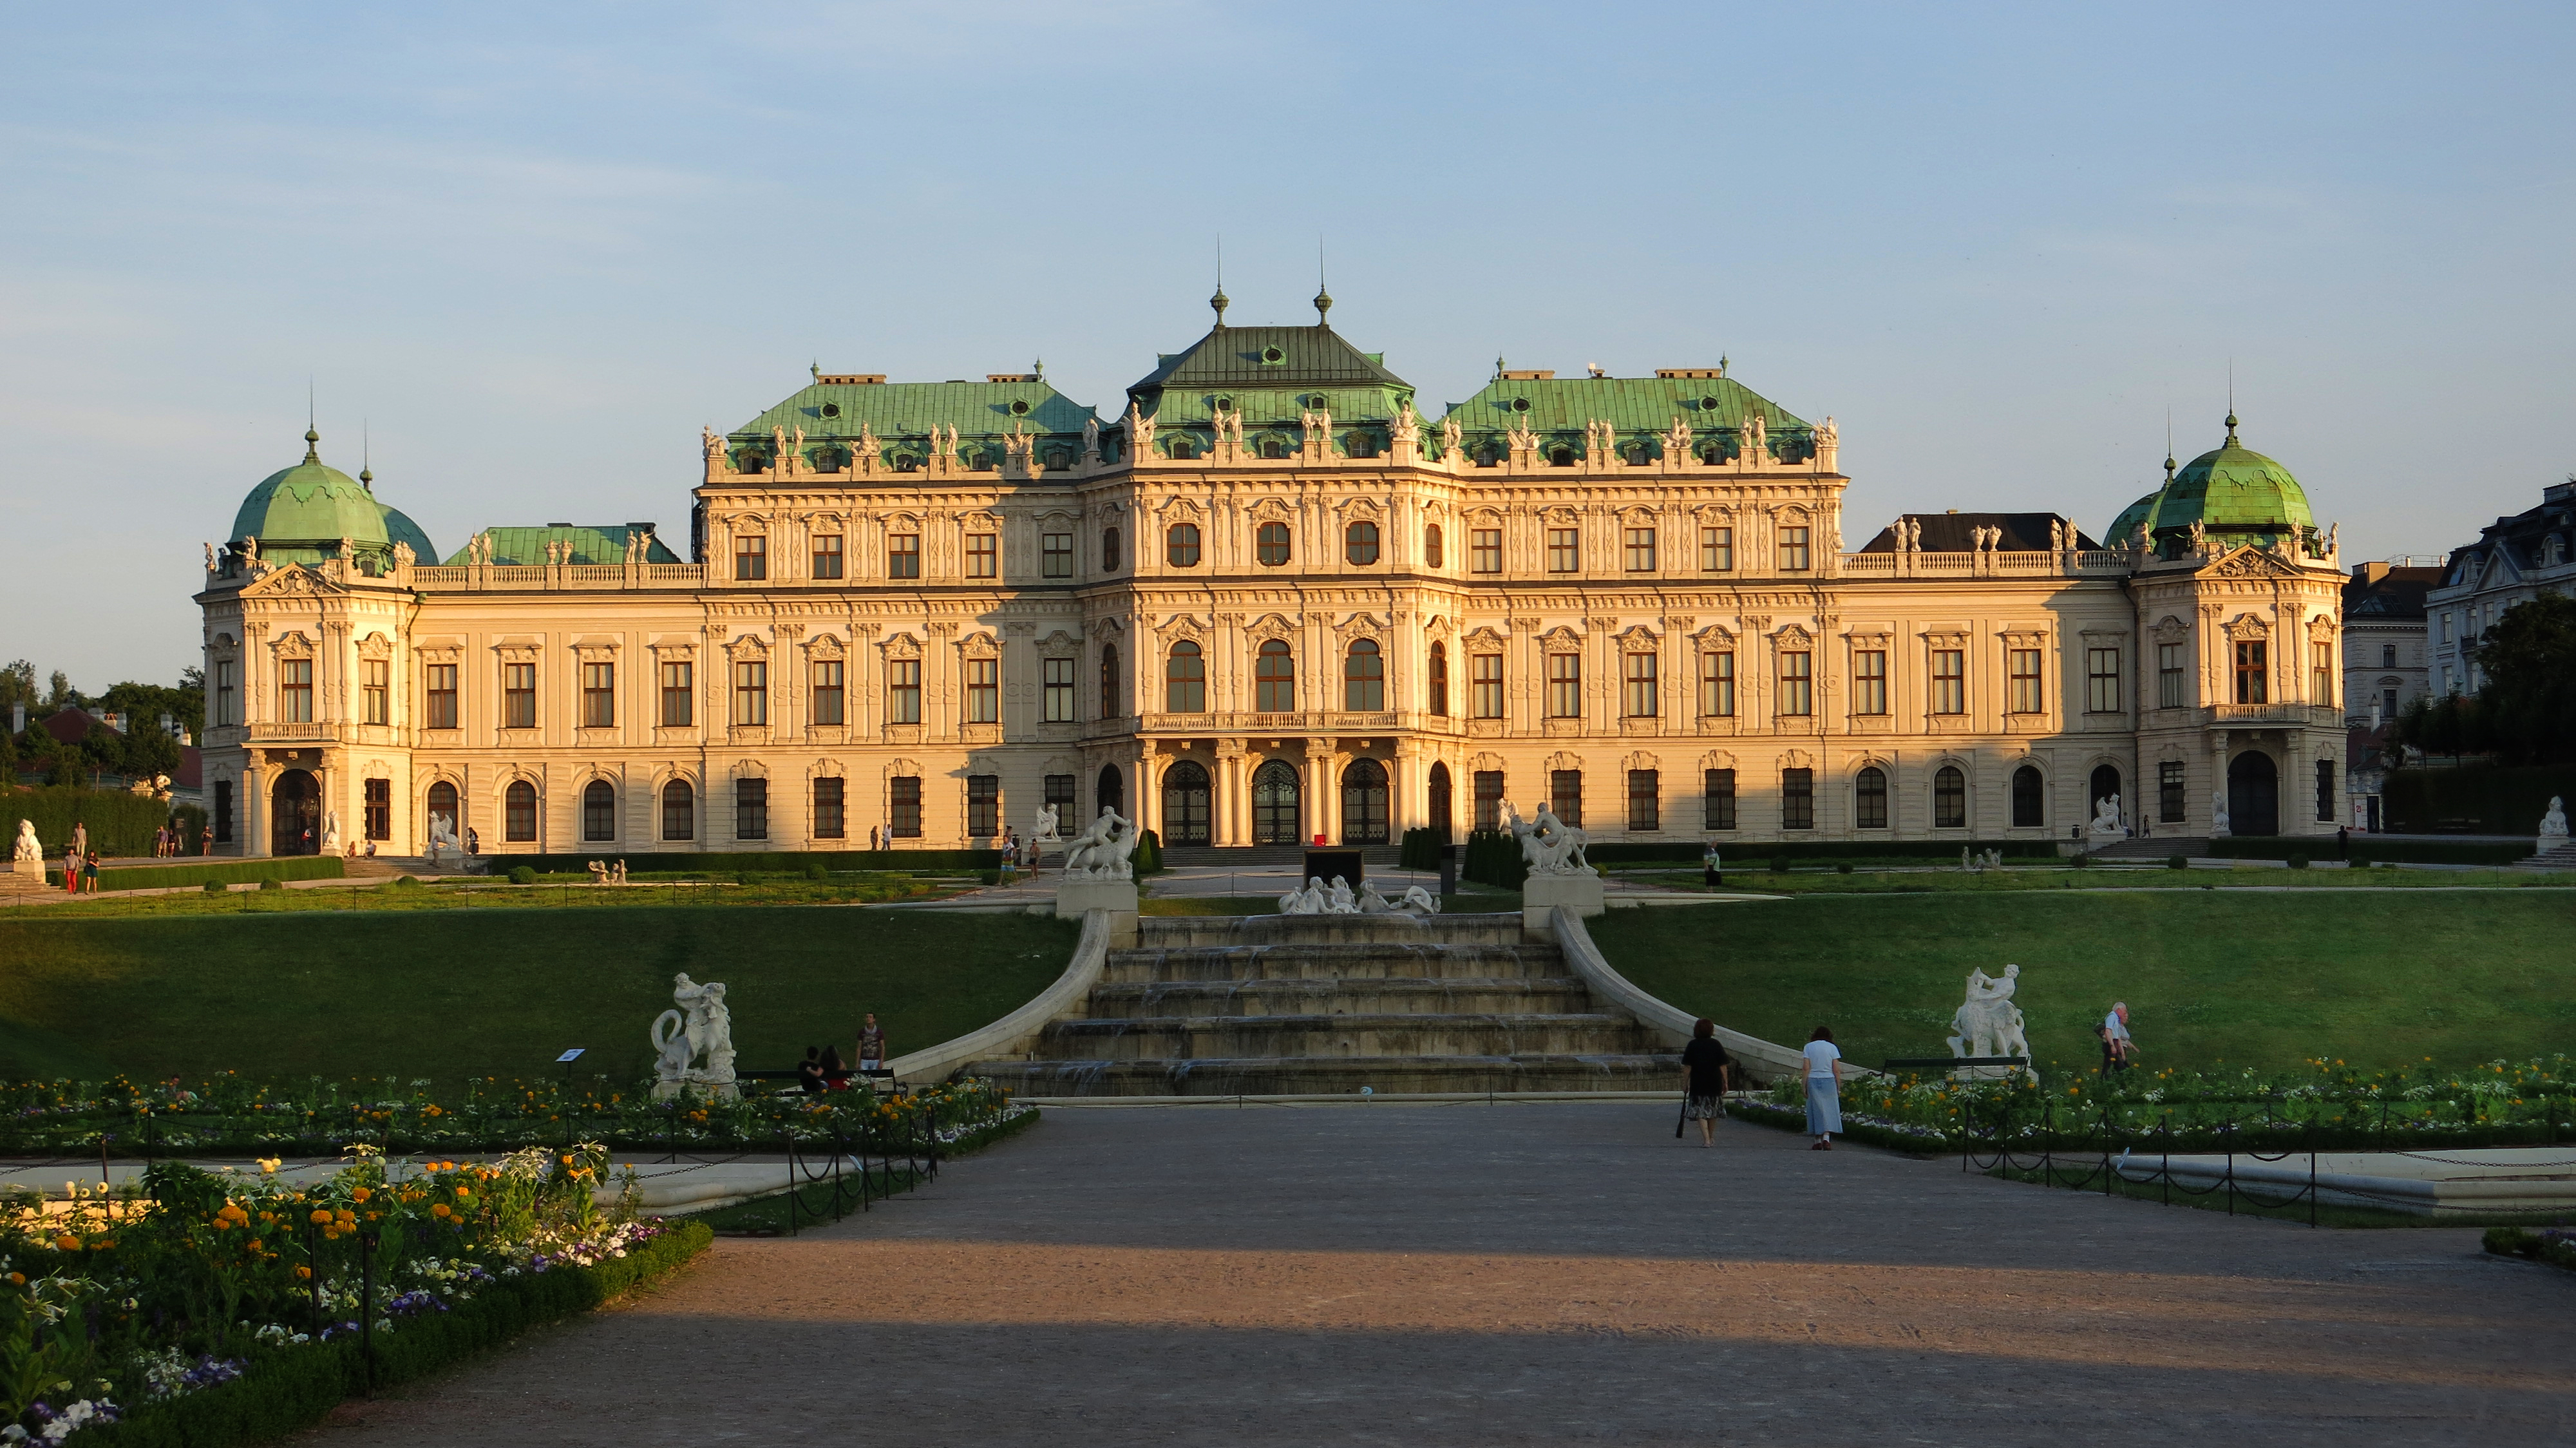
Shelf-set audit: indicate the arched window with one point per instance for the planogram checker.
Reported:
(679, 811)
(1359, 542)
(1869, 799)
(1438, 680)
(598, 811)
(1949, 799)
(1109, 691)
(1185, 680)
(2105, 783)
(1109, 550)
(1270, 544)
(1181, 545)
(1432, 557)
(1364, 803)
(1110, 792)
(2030, 808)
(1437, 787)
(1363, 677)
(1274, 679)
(442, 804)
(519, 811)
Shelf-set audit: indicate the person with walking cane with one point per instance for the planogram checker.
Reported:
(1705, 1068)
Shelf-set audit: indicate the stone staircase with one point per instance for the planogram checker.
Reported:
(2560, 857)
(1327, 1004)
(1265, 857)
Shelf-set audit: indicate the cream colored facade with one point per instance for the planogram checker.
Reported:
(1605, 609)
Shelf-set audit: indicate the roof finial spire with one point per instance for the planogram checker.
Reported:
(1323, 298)
(366, 455)
(2231, 402)
(1219, 300)
(2169, 462)
(311, 436)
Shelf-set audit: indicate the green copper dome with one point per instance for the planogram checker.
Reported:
(401, 529)
(2233, 490)
(300, 514)
(2131, 517)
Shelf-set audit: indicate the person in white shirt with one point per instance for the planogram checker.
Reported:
(1824, 1088)
(2116, 1043)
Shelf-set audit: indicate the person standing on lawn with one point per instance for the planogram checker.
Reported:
(1712, 870)
(1824, 1088)
(872, 1046)
(1704, 1072)
(2117, 1047)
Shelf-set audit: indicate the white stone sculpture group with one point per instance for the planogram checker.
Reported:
(1319, 899)
(607, 874)
(1981, 861)
(442, 838)
(27, 847)
(1101, 852)
(1988, 1023)
(693, 1043)
(1549, 846)
(2106, 818)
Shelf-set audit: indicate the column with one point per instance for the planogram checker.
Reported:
(250, 811)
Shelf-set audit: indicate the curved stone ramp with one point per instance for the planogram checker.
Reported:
(1331, 1005)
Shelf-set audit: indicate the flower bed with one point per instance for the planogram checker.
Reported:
(2553, 1245)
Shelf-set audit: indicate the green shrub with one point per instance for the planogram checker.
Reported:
(214, 887)
(527, 875)
(2080, 861)
(230, 872)
(664, 862)
(1780, 864)
(1843, 869)
(814, 870)
(2177, 862)
(1148, 859)
(408, 880)
(2298, 862)
(1420, 849)
(271, 882)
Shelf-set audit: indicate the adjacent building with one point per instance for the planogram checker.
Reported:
(2386, 651)
(1272, 598)
(2514, 559)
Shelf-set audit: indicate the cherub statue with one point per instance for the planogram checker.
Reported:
(1341, 902)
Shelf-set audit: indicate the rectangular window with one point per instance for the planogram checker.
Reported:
(828, 698)
(1641, 550)
(983, 555)
(1645, 799)
(679, 812)
(983, 692)
(1059, 796)
(441, 697)
(751, 692)
(2024, 668)
(1716, 550)
(1433, 556)
(1489, 799)
(2170, 676)
(983, 805)
(2325, 791)
(1717, 799)
(1058, 678)
(1797, 682)
(1055, 555)
(1564, 550)
(1485, 553)
(1565, 795)
(518, 696)
(1949, 681)
(1717, 684)
(1793, 550)
(2252, 668)
(1797, 799)
(1485, 686)
(380, 809)
(827, 555)
(227, 699)
(2321, 674)
(223, 811)
(2387, 704)
(598, 696)
(751, 809)
(903, 691)
(376, 690)
(903, 555)
(2169, 792)
(750, 556)
(1869, 681)
(295, 691)
(2102, 681)
(1565, 686)
(903, 807)
(831, 810)
(678, 690)
(1637, 688)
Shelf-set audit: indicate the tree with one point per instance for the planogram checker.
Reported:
(61, 694)
(18, 685)
(2529, 701)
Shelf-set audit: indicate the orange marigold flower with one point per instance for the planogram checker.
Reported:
(321, 1215)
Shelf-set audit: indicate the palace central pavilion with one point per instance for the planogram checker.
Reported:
(1271, 598)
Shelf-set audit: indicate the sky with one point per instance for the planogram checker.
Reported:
(521, 254)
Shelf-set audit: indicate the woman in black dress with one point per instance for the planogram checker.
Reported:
(1704, 1071)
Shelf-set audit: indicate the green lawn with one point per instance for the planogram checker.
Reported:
(451, 993)
(2265, 980)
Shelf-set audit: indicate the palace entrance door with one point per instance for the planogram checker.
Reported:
(2253, 794)
(1274, 804)
(295, 814)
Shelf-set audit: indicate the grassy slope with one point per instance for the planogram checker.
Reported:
(2261, 980)
(454, 993)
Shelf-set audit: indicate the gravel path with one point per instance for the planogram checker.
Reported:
(1482, 1275)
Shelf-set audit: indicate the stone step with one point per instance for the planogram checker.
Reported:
(1175, 930)
(1342, 1076)
(1330, 1037)
(1324, 962)
(2562, 857)
(1388, 995)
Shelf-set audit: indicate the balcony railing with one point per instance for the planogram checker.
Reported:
(2316, 714)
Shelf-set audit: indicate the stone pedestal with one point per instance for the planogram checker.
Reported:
(34, 868)
(1540, 893)
(706, 1090)
(1075, 898)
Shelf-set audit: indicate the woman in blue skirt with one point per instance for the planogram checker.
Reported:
(1824, 1094)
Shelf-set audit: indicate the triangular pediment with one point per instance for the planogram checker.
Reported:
(291, 578)
(2251, 562)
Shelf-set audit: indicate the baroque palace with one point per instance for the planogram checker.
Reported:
(1270, 600)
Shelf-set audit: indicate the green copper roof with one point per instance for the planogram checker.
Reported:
(1559, 407)
(401, 529)
(308, 509)
(901, 414)
(2141, 511)
(1273, 376)
(603, 544)
(2233, 489)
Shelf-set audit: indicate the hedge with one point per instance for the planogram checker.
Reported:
(758, 862)
(120, 822)
(229, 872)
(1420, 848)
(2474, 799)
(2367, 847)
(287, 1389)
